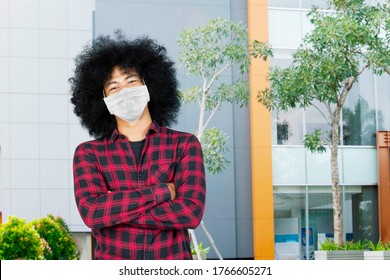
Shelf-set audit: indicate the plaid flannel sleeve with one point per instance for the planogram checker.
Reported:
(186, 210)
(98, 207)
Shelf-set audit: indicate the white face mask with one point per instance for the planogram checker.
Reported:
(129, 103)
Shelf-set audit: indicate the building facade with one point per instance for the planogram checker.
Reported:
(301, 181)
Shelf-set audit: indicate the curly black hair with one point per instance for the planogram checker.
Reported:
(94, 66)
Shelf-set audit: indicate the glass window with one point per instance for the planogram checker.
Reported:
(360, 217)
(320, 216)
(290, 220)
(288, 202)
(359, 116)
(285, 28)
(383, 93)
(317, 117)
(360, 212)
(288, 128)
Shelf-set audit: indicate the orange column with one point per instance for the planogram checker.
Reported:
(261, 143)
(383, 146)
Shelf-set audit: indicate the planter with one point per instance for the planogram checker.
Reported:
(377, 255)
(339, 255)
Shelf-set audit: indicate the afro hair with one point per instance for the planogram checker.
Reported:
(93, 69)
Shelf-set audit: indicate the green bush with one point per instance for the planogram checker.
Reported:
(358, 245)
(350, 245)
(379, 246)
(20, 240)
(48, 238)
(57, 235)
(329, 245)
(203, 251)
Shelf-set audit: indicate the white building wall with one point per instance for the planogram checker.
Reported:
(38, 130)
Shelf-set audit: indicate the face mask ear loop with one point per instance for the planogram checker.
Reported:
(104, 96)
(143, 81)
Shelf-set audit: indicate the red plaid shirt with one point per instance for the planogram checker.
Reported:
(128, 205)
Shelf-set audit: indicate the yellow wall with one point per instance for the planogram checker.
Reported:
(261, 144)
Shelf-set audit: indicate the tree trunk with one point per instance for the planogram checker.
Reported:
(201, 115)
(336, 194)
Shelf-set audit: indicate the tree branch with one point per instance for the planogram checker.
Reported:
(362, 70)
(211, 115)
(327, 105)
(318, 109)
(348, 83)
(216, 75)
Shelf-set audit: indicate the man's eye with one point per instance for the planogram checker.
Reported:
(113, 88)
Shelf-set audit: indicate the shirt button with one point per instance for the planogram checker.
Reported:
(139, 175)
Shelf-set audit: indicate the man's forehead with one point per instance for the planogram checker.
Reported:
(123, 69)
(119, 72)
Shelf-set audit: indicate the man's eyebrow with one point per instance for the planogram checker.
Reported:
(131, 75)
(110, 83)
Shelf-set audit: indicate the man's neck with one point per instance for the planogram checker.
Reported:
(137, 131)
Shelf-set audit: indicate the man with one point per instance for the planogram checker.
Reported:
(139, 185)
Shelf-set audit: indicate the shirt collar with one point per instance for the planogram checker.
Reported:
(153, 128)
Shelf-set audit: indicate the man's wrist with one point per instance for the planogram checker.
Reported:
(162, 193)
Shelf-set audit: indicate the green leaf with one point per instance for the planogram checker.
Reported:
(314, 143)
(214, 148)
(190, 95)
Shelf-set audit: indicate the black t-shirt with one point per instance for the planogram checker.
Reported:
(137, 148)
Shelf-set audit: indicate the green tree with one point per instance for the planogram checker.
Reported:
(207, 52)
(342, 45)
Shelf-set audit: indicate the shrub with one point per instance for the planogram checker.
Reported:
(20, 240)
(48, 238)
(350, 245)
(203, 251)
(57, 235)
(329, 245)
(358, 245)
(379, 246)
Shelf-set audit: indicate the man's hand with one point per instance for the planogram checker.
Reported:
(172, 189)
